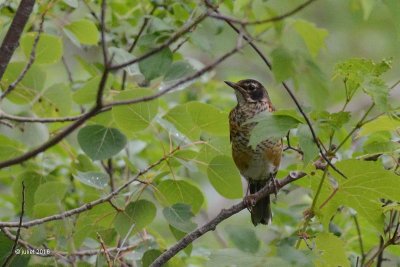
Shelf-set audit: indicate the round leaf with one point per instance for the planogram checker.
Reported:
(139, 213)
(135, 117)
(156, 65)
(224, 177)
(48, 50)
(99, 142)
(85, 31)
(94, 179)
(179, 191)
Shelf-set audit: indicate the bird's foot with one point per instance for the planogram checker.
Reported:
(275, 185)
(250, 201)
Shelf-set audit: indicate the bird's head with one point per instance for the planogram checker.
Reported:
(249, 91)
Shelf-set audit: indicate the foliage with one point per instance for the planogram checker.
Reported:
(120, 161)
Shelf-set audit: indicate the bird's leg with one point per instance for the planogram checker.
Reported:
(249, 199)
(275, 185)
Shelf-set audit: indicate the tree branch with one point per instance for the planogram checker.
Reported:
(223, 215)
(11, 40)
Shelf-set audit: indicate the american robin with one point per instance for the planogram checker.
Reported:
(259, 165)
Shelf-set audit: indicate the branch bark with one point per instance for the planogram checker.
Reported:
(223, 215)
(11, 40)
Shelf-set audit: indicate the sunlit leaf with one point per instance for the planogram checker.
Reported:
(85, 31)
(49, 49)
(313, 36)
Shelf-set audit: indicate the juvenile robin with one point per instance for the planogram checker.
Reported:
(258, 166)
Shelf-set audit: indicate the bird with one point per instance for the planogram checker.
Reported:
(257, 165)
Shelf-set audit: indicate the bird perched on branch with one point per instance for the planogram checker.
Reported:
(258, 166)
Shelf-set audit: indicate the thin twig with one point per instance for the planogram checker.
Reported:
(223, 215)
(89, 205)
(262, 21)
(12, 252)
(103, 246)
(288, 90)
(359, 124)
(362, 251)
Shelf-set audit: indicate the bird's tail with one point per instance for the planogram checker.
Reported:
(261, 212)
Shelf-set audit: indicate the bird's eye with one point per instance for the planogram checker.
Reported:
(252, 87)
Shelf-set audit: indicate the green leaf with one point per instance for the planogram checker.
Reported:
(32, 180)
(244, 238)
(9, 148)
(178, 70)
(270, 126)
(97, 180)
(382, 123)
(26, 90)
(379, 92)
(49, 49)
(367, 183)
(224, 177)
(149, 257)
(307, 145)
(331, 251)
(364, 73)
(50, 192)
(55, 101)
(179, 116)
(179, 191)
(208, 118)
(99, 142)
(282, 64)
(313, 36)
(137, 214)
(331, 121)
(85, 31)
(135, 117)
(179, 216)
(367, 7)
(91, 222)
(156, 65)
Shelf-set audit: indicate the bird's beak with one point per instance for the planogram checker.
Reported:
(235, 86)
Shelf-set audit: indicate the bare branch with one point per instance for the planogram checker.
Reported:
(223, 215)
(288, 90)
(32, 57)
(10, 257)
(103, 246)
(256, 22)
(10, 42)
(89, 205)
